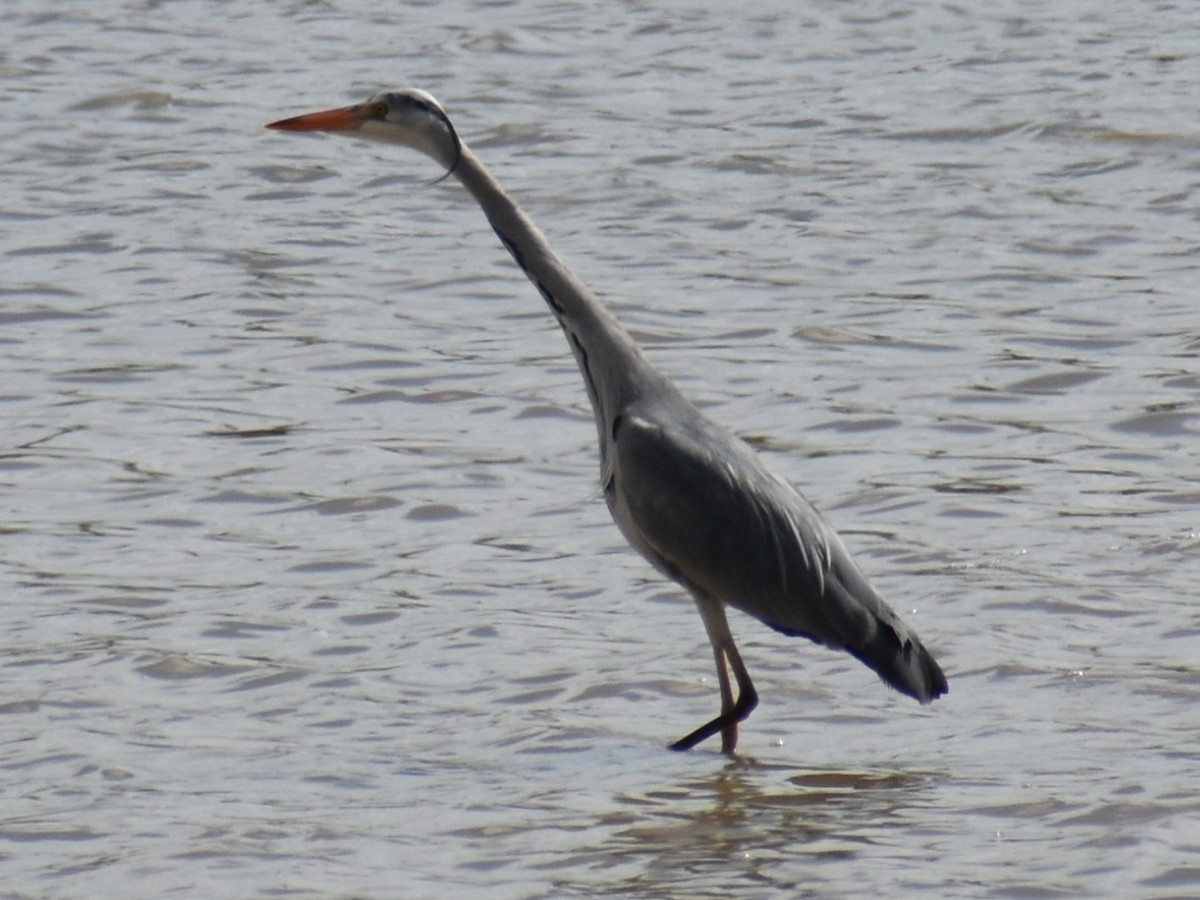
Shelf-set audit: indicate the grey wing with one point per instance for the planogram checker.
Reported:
(701, 505)
(704, 508)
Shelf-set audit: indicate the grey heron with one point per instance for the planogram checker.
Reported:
(692, 498)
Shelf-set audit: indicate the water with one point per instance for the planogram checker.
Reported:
(308, 587)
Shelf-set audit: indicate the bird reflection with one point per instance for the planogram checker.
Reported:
(759, 823)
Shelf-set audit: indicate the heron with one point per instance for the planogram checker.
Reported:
(695, 500)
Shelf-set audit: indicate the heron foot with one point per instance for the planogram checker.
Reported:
(726, 723)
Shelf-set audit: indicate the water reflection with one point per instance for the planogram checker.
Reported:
(751, 823)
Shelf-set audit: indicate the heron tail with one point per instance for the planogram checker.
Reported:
(903, 663)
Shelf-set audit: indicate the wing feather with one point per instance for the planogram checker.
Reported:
(704, 508)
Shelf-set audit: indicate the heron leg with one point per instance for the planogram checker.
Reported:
(725, 651)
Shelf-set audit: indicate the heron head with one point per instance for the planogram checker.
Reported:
(410, 117)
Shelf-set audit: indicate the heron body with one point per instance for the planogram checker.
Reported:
(692, 498)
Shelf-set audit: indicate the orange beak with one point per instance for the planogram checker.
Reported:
(346, 118)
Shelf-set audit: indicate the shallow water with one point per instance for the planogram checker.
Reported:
(309, 587)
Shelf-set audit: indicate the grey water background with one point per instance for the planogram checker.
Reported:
(308, 589)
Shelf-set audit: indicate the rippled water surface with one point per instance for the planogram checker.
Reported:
(308, 588)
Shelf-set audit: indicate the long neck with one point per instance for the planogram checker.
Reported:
(612, 365)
